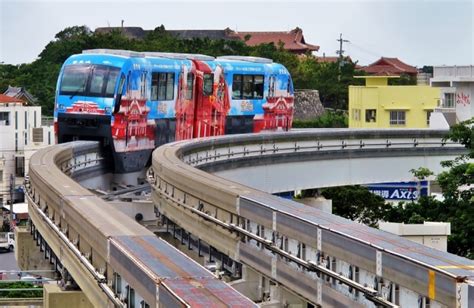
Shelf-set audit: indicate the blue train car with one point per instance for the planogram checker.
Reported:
(135, 101)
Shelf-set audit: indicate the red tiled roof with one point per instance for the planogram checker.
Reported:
(293, 39)
(389, 66)
(7, 99)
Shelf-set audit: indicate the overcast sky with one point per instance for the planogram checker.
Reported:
(418, 32)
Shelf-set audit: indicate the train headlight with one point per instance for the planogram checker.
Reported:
(61, 107)
(108, 110)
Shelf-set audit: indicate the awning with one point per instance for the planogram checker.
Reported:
(18, 208)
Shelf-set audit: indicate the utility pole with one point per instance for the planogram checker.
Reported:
(12, 186)
(340, 52)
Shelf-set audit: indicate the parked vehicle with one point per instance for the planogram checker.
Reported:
(7, 241)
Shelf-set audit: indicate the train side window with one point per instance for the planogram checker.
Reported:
(208, 81)
(248, 87)
(237, 87)
(154, 86)
(189, 86)
(169, 86)
(162, 86)
(258, 86)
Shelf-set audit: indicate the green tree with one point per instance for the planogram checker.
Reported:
(329, 119)
(457, 185)
(354, 202)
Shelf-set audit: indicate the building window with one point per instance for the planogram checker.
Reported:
(34, 119)
(19, 166)
(26, 138)
(449, 100)
(5, 118)
(428, 115)
(16, 141)
(247, 87)
(356, 114)
(162, 86)
(49, 137)
(1, 176)
(16, 119)
(26, 119)
(370, 115)
(397, 117)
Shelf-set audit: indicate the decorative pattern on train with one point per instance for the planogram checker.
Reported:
(185, 103)
(212, 100)
(131, 130)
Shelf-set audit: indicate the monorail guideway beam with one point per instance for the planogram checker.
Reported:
(309, 252)
(113, 259)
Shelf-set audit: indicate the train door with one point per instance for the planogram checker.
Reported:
(221, 102)
(212, 103)
(185, 104)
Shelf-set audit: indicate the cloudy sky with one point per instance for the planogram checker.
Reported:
(418, 32)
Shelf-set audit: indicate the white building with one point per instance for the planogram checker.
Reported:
(432, 234)
(21, 134)
(457, 95)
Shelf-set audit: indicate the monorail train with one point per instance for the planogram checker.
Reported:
(136, 101)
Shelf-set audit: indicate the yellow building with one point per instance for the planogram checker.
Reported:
(378, 105)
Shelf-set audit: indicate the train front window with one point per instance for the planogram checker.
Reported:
(112, 81)
(207, 84)
(74, 79)
(98, 78)
(89, 80)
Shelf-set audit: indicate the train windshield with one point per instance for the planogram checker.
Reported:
(89, 80)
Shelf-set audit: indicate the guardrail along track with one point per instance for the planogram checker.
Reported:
(321, 257)
(113, 259)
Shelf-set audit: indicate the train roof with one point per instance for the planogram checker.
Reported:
(246, 59)
(89, 58)
(180, 56)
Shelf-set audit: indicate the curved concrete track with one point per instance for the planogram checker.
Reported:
(324, 259)
(114, 260)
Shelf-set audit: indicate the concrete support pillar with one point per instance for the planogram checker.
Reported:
(249, 285)
(320, 203)
(268, 294)
(29, 256)
(54, 297)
